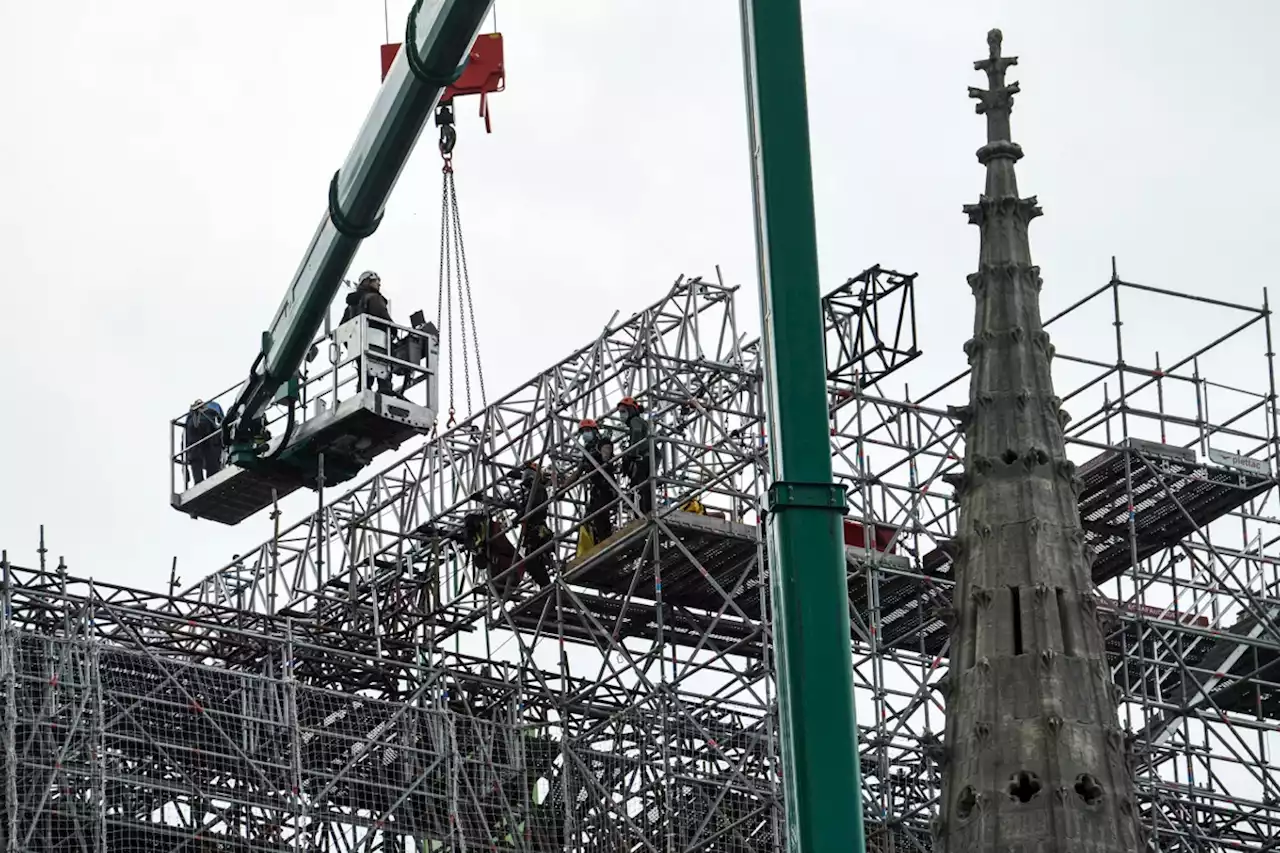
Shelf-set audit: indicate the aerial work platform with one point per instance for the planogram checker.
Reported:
(375, 389)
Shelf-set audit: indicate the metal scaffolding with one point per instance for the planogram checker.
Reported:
(354, 683)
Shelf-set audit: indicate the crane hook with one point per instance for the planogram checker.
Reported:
(448, 134)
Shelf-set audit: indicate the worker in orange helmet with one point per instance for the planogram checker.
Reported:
(636, 459)
(596, 466)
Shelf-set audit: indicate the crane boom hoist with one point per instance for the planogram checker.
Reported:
(292, 422)
(809, 583)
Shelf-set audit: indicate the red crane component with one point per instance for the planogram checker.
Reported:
(855, 535)
(389, 52)
(484, 73)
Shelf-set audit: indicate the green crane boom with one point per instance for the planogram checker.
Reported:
(806, 545)
(440, 33)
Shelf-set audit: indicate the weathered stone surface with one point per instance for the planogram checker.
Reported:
(1033, 757)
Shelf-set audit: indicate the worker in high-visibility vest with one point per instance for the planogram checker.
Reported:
(693, 506)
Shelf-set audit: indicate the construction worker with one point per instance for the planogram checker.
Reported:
(532, 505)
(367, 298)
(596, 465)
(491, 551)
(202, 440)
(636, 464)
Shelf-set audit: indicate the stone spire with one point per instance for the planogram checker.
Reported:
(1034, 758)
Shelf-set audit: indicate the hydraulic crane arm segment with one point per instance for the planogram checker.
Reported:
(440, 33)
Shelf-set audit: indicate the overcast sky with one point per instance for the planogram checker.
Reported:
(164, 165)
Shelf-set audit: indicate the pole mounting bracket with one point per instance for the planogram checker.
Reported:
(786, 495)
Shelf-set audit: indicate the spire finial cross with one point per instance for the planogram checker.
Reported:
(995, 101)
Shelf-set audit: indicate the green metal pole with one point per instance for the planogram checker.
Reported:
(810, 592)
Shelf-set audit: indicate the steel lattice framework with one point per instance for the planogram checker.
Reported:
(355, 684)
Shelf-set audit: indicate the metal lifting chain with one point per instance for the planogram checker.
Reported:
(453, 271)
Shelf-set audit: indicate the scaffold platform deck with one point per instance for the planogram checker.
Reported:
(602, 620)
(1171, 498)
(711, 582)
(712, 573)
(711, 553)
(1239, 673)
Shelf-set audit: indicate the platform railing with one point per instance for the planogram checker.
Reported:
(182, 454)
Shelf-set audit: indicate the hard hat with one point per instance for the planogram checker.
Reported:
(587, 423)
(197, 404)
(628, 401)
(366, 276)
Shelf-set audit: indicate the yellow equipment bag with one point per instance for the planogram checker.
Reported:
(585, 541)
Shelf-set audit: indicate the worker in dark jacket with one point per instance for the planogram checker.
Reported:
(636, 461)
(595, 467)
(367, 298)
(491, 551)
(202, 434)
(532, 505)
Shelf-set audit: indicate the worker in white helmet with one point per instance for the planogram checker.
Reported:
(367, 298)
